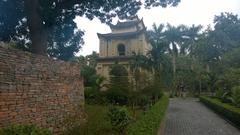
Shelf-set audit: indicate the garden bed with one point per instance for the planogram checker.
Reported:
(150, 122)
(147, 123)
(97, 123)
(228, 111)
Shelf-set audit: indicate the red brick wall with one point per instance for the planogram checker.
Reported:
(37, 89)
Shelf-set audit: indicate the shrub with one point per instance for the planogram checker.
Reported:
(236, 96)
(143, 102)
(219, 93)
(171, 95)
(24, 130)
(138, 99)
(226, 97)
(94, 124)
(119, 85)
(148, 124)
(154, 92)
(75, 130)
(117, 96)
(94, 96)
(232, 113)
(119, 118)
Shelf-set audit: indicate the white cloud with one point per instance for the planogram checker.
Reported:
(187, 12)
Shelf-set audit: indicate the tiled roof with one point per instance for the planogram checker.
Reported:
(116, 58)
(126, 24)
(121, 35)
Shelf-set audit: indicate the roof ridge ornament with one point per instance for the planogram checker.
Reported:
(133, 17)
(130, 22)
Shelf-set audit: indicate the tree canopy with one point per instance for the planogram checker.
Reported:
(200, 59)
(47, 26)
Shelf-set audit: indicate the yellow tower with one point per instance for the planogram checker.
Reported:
(118, 46)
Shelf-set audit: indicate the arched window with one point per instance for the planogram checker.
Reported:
(121, 49)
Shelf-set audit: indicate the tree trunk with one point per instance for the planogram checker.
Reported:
(174, 55)
(174, 69)
(38, 34)
(192, 63)
(174, 64)
(200, 87)
(207, 68)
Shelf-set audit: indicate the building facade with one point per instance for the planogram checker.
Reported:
(126, 38)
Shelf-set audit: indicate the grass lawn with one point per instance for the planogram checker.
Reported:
(97, 123)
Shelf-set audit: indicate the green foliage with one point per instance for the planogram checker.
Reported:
(149, 123)
(55, 22)
(230, 112)
(169, 69)
(141, 98)
(88, 70)
(63, 41)
(227, 26)
(231, 77)
(119, 78)
(119, 85)
(153, 92)
(119, 118)
(143, 102)
(117, 96)
(231, 58)
(89, 75)
(24, 130)
(227, 81)
(219, 93)
(201, 61)
(118, 70)
(236, 95)
(226, 97)
(94, 96)
(139, 70)
(96, 123)
(99, 82)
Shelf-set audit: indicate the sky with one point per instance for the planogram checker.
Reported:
(188, 12)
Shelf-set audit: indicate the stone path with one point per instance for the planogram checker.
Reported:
(190, 117)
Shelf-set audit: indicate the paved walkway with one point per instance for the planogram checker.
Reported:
(190, 117)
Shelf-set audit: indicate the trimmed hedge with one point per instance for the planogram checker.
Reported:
(149, 123)
(230, 112)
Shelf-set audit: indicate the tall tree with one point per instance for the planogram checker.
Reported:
(119, 78)
(92, 59)
(35, 24)
(39, 21)
(158, 57)
(174, 39)
(226, 32)
(88, 69)
(190, 36)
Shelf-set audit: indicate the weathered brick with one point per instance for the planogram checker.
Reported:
(35, 89)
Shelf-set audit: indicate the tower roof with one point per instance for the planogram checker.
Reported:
(126, 24)
(121, 35)
(131, 22)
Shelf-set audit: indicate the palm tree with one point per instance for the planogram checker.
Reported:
(174, 38)
(157, 55)
(136, 64)
(191, 35)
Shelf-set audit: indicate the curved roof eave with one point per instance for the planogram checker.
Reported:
(121, 35)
